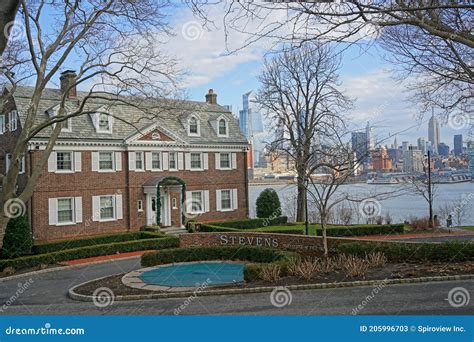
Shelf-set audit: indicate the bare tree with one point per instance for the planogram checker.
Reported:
(429, 41)
(116, 44)
(299, 93)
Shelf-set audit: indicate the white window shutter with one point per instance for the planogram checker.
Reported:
(165, 161)
(187, 160)
(78, 209)
(52, 162)
(205, 157)
(131, 161)
(95, 208)
(95, 161)
(118, 161)
(180, 161)
(77, 161)
(53, 211)
(218, 200)
(235, 199)
(218, 160)
(119, 206)
(234, 160)
(148, 163)
(188, 202)
(206, 200)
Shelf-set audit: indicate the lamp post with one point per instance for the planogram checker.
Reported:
(306, 221)
(430, 194)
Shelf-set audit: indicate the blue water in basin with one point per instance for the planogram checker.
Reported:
(195, 274)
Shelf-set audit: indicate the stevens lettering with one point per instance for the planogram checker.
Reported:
(248, 241)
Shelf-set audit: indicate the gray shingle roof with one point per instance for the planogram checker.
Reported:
(170, 115)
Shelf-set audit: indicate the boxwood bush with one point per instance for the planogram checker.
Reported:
(89, 251)
(413, 252)
(93, 240)
(18, 239)
(359, 230)
(247, 253)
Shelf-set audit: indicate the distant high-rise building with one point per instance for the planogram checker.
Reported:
(458, 144)
(370, 136)
(412, 159)
(443, 149)
(395, 144)
(421, 142)
(405, 145)
(359, 146)
(434, 133)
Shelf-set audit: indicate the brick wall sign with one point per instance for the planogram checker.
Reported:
(290, 242)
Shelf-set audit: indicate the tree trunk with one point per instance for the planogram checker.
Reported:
(3, 227)
(325, 238)
(301, 199)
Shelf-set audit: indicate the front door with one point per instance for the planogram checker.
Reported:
(165, 213)
(151, 210)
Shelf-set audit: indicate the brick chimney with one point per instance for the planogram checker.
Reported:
(68, 79)
(211, 98)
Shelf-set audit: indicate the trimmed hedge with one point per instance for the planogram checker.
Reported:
(90, 251)
(252, 223)
(362, 230)
(248, 253)
(18, 240)
(93, 240)
(408, 252)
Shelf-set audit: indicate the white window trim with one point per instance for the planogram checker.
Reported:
(72, 162)
(114, 206)
(110, 121)
(8, 163)
(226, 127)
(2, 124)
(202, 202)
(198, 121)
(13, 120)
(69, 123)
(140, 206)
(113, 162)
(174, 203)
(175, 161)
(142, 169)
(231, 200)
(151, 162)
(230, 161)
(73, 204)
(21, 167)
(201, 168)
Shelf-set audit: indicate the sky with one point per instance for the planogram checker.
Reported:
(365, 75)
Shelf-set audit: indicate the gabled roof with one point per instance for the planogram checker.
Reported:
(161, 113)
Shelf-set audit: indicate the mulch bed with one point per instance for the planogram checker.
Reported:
(389, 271)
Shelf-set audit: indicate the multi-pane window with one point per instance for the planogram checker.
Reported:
(196, 162)
(226, 201)
(156, 160)
(196, 201)
(12, 120)
(222, 127)
(65, 210)
(106, 160)
(66, 125)
(139, 160)
(8, 161)
(193, 126)
(21, 168)
(225, 160)
(172, 161)
(2, 124)
(64, 161)
(107, 208)
(104, 123)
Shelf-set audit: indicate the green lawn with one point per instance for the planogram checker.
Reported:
(312, 227)
(466, 227)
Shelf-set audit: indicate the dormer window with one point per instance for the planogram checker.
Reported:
(104, 123)
(222, 127)
(193, 126)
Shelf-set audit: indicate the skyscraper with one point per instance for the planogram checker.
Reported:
(421, 142)
(359, 146)
(370, 136)
(434, 133)
(458, 144)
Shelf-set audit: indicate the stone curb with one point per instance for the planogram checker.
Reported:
(85, 298)
(62, 268)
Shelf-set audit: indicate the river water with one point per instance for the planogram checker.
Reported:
(400, 203)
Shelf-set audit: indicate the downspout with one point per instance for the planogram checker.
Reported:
(246, 171)
(128, 190)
